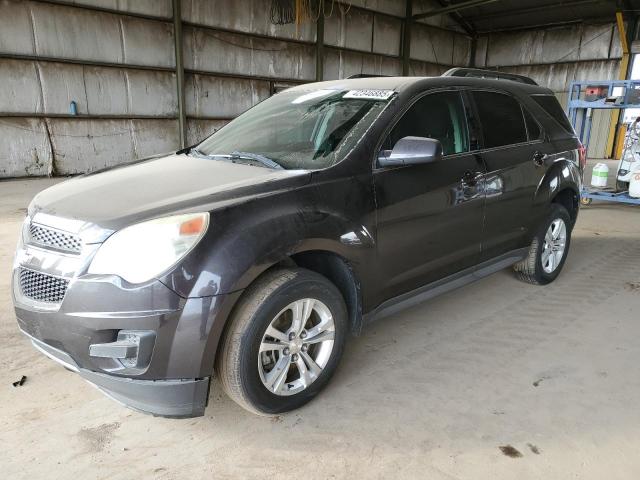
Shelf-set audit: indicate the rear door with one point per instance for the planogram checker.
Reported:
(514, 152)
(430, 215)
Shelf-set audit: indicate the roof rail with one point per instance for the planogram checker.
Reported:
(478, 73)
(365, 75)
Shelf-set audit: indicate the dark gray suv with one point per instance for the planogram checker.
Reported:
(256, 252)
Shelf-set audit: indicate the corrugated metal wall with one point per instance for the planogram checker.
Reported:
(116, 60)
(555, 57)
(118, 68)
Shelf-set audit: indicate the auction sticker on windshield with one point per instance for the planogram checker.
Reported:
(369, 94)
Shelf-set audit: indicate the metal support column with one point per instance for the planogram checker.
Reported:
(177, 38)
(320, 45)
(624, 67)
(406, 38)
(472, 51)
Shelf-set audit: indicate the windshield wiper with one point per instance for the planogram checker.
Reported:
(258, 158)
(195, 152)
(266, 161)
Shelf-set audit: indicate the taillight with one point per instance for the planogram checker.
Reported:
(582, 156)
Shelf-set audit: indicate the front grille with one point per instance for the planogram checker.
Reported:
(42, 287)
(48, 237)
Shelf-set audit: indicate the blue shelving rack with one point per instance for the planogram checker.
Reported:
(620, 95)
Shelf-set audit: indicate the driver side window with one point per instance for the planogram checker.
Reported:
(437, 115)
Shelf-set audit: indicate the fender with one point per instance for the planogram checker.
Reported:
(235, 262)
(245, 240)
(323, 232)
(563, 174)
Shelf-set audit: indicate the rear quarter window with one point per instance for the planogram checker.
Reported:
(550, 104)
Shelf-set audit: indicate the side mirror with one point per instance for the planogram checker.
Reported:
(411, 151)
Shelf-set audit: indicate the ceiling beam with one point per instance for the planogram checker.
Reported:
(538, 26)
(452, 8)
(467, 26)
(530, 10)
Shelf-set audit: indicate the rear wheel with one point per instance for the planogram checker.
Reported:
(548, 250)
(621, 186)
(284, 341)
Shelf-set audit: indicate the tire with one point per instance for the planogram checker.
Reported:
(246, 373)
(531, 269)
(621, 186)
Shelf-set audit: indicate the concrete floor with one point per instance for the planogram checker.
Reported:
(550, 374)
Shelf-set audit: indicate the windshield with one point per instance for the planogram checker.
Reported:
(298, 129)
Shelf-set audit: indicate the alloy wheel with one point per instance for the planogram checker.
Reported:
(555, 241)
(296, 347)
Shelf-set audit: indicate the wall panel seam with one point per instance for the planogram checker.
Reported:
(97, 9)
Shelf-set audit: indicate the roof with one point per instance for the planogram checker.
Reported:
(374, 83)
(399, 84)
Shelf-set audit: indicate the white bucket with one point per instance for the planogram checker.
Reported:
(599, 175)
(634, 184)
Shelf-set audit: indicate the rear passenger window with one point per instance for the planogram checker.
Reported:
(436, 115)
(533, 129)
(501, 119)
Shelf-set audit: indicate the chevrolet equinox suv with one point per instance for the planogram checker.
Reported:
(256, 252)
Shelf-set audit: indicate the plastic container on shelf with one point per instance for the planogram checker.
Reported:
(599, 175)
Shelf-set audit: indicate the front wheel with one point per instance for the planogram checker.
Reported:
(548, 250)
(284, 341)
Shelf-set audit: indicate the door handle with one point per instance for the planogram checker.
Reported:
(471, 178)
(539, 158)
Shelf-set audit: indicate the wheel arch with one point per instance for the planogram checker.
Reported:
(569, 198)
(339, 271)
(561, 184)
(331, 265)
(327, 263)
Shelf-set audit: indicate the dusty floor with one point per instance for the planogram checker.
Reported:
(496, 380)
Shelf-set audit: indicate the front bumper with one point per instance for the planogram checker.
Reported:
(166, 398)
(175, 381)
(172, 375)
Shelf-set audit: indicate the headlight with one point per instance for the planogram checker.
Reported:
(143, 251)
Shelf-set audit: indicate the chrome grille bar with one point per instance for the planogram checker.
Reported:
(54, 239)
(42, 287)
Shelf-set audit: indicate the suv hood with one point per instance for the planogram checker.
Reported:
(127, 194)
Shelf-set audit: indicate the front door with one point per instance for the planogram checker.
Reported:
(429, 216)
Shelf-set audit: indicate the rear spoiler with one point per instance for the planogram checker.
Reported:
(493, 74)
